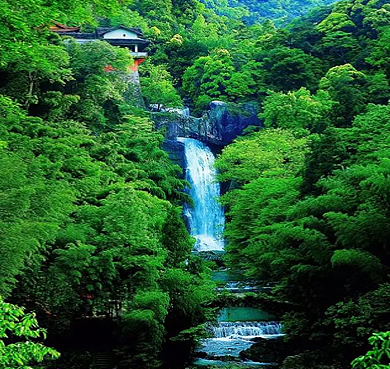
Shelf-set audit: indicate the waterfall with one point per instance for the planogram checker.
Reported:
(206, 218)
(231, 338)
(247, 330)
(228, 339)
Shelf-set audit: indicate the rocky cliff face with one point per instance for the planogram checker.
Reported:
(175, 149)
(218, 126)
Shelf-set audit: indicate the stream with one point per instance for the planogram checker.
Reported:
(236, 327)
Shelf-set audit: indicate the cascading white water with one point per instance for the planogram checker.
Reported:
(206, 222)
(247, 330)
(230, 338)
(206, 218)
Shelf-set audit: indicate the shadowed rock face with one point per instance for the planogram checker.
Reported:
(175, 149)
(218, 126)
(226, 121)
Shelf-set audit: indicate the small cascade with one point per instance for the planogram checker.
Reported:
(181, 112)
(230, 338)
(238, 287)
(206, 218)
(247, 330)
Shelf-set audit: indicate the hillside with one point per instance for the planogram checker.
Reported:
(281, 12)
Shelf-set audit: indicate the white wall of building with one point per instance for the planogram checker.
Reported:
(120, 33)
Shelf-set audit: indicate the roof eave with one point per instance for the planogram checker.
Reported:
(134, 30)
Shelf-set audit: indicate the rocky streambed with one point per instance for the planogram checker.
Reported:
(238, 331)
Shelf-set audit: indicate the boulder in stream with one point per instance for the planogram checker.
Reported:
(266, 350)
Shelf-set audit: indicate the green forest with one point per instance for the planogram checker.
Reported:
(91, 205)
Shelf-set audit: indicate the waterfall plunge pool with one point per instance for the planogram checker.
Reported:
(244, 314)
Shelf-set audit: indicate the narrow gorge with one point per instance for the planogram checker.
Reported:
(237, 327)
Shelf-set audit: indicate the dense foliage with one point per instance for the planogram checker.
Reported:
(90, 204)
(280, 11)
(308, 210)
(15, 322)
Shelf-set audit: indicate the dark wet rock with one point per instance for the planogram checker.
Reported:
(175, 150)
(227, 121)
(266, 350)
(218, 126)
(227, 358)
(212, 255)
(201, 354)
